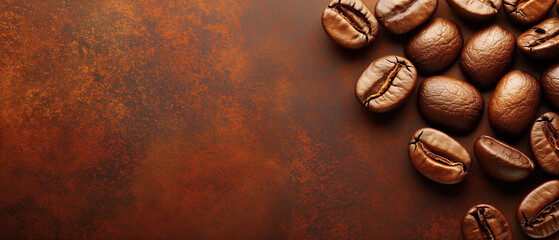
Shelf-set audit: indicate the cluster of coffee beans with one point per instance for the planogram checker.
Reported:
(455, 105)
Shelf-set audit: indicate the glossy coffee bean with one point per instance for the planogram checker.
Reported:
(544, 141)
(435, 47)
(386, 83)
(438, 156)
(541, 41)
(402, 16)
(527, 12)
(550, 85)
(350, 23)
(476, 10)
(487, 55)
(450, 103)
(502, 161)
(537, 214)
(483, 222)
(514, 103)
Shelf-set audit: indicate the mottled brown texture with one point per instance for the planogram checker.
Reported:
(550, 85)
(542, 41)
(514, 103)
(476, 10)
(402, 16)
(544, 142)
(539, 210)
(435, 47)
(501, 160)
(350, 23)
(487, 55)
(527, 12)
(213, 119)
(438, 156)
(386, 83)
(485, 222)
(450, 103)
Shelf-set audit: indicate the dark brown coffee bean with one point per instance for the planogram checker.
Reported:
(544, 141)
(476, 10)
(386, 83)
(485, 222)
(527, 12)
(502, 161)
(350, 23)
(550, 85)
(438, 156)
(542, 41)
(487, 56)
(402, 16)
(435, 47)
(450, 103)
(537, 214)
(514, 103)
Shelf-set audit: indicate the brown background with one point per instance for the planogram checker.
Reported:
(213, 119)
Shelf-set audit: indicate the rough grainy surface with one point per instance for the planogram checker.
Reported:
(210, 119)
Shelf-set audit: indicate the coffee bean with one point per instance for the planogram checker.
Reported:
(542, 41)
(537, 214)
(350, 23)
(544, 141)
(476, 10)
(402, 16)
(386, 83)
(450, 103)
(527, 12)
(502, 161)
(550, 85)
(438, 156)
(436, 46)
(487, 55)
(483, 222)
(514, 103)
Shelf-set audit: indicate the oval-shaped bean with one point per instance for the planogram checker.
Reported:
(435, 47)
(514, 103)
(438, 156)
(527, 12)
(350, 23)
(502, 161)
(476, 10)
(483, 222)
(544, 141)
(487, 55)
(402, 16)
(450, 103)
(538, 212)
(541, 41)
(386, 83)
(550, 85)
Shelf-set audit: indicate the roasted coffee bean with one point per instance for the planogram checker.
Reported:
(350, 23)
(550, 85)
(485, 222)
(514, 103)
(450, 103)
(476, 10)
(544, 141)
(502, 161)
(435, 47)
(386, 83)
(557, 6)
(527, 12)
(402, 16)
(539, 211)
(487, 56)
(542, 41)
(438, 156)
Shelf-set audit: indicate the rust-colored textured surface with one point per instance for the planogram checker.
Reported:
(213, 119)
